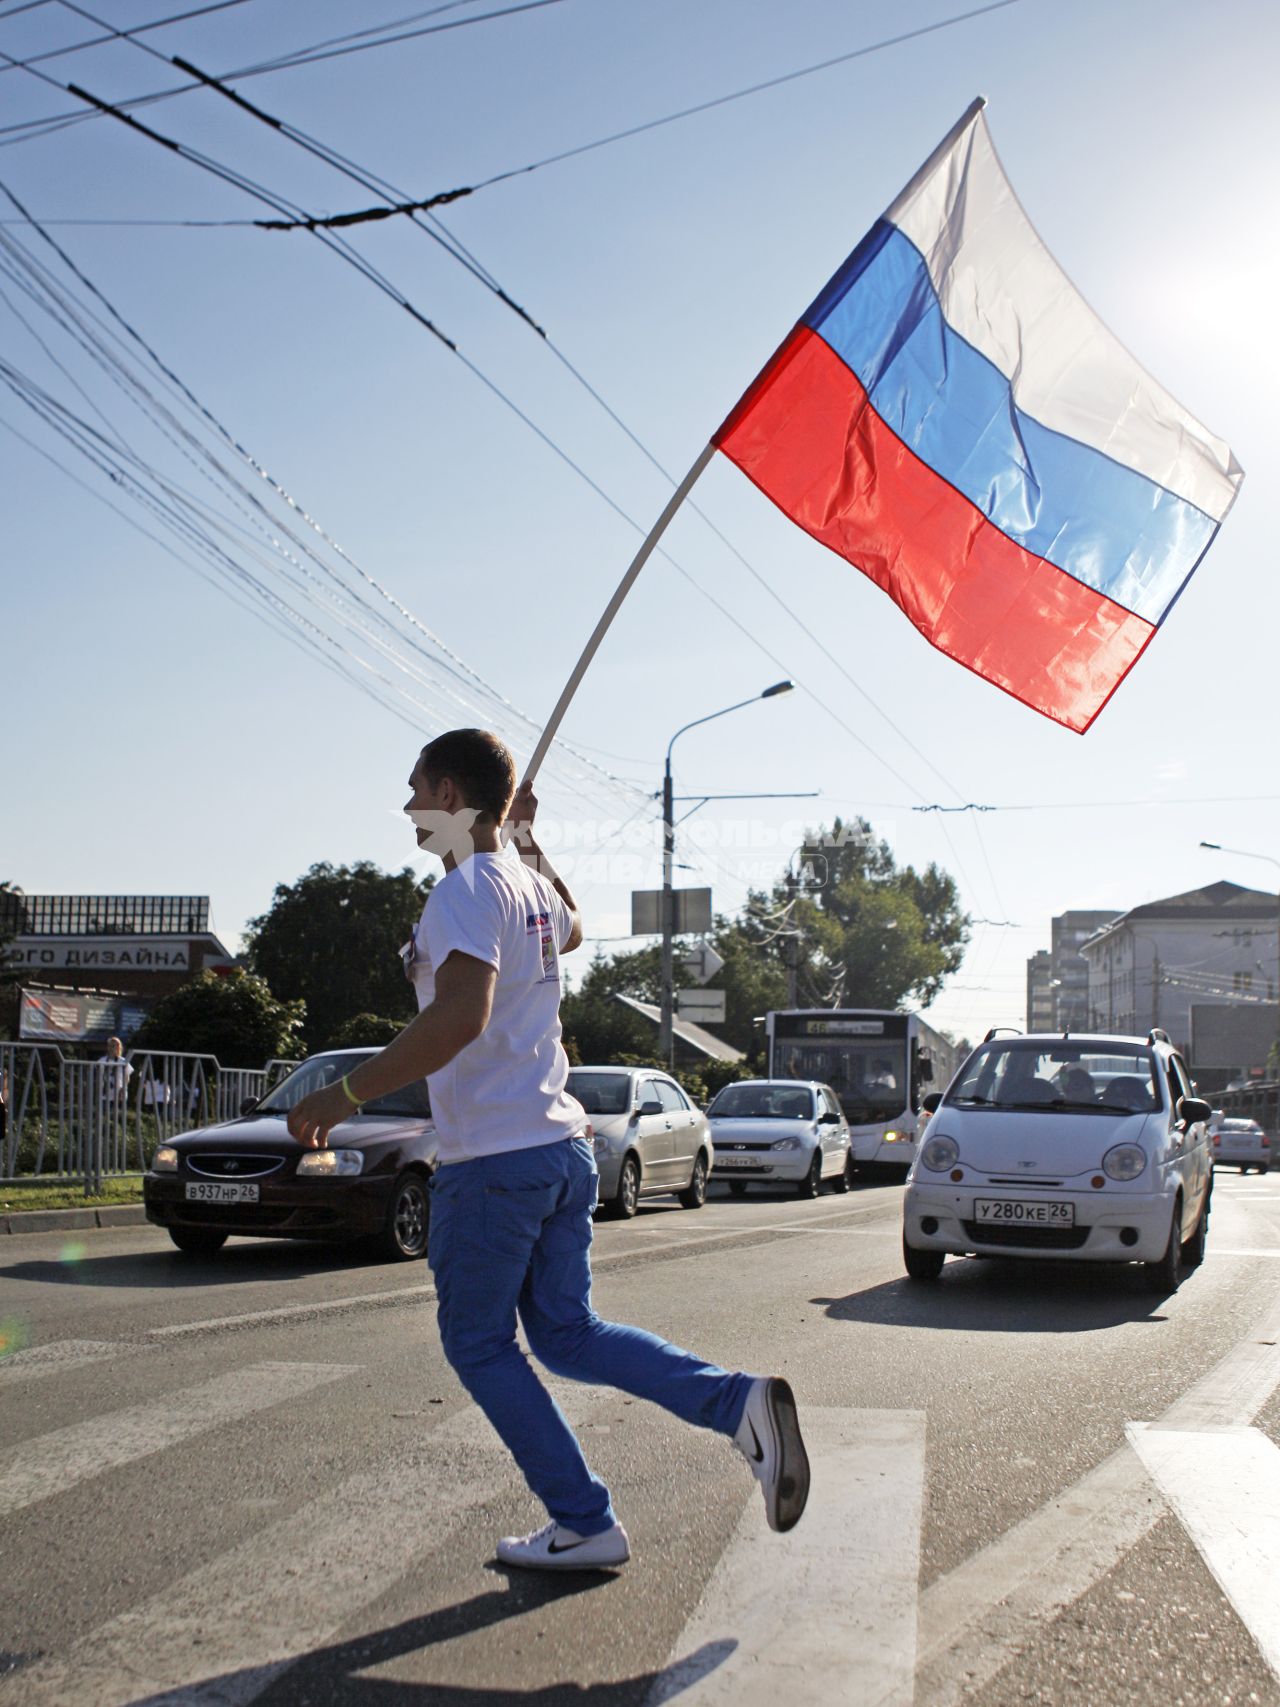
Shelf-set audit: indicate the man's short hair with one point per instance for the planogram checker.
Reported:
(479, 763)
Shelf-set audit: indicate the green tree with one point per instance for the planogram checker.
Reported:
(331, 940)
(232, 1015)
(872, 935)
(365, 1031)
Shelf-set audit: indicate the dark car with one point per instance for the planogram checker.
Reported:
(249, 1178)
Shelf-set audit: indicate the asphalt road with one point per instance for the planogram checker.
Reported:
(254, 1479)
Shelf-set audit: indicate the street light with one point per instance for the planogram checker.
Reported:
(665, 1043)
(1244, 853)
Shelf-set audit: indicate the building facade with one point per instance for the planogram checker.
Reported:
(133, 948)
(1040, 991)
(1216, 946)
(1068, 969)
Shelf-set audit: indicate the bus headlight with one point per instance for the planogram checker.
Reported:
(939, 1154)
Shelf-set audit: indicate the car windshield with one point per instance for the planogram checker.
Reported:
(410, 1103)
(601, 1093)
(1029, 1073)
(760, 1100)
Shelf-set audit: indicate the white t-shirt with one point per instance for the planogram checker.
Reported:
(506, 1090)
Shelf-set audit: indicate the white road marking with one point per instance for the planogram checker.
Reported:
(221, 1635)
(980, 1614)
(791, 1614)
(1213, 1250)
(1225, 1487)
(58, 1355)
(287, 1312)
(52, 1463)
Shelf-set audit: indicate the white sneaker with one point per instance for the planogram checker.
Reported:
(555, 1548)
(768, 1438)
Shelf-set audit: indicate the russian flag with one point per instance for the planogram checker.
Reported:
(953, 419)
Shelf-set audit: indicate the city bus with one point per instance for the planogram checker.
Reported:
(877, 1061)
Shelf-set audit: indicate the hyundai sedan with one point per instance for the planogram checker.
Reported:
(248, 1178)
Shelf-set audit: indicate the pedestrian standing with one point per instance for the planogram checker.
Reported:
(513, 1198)
(116, 1072)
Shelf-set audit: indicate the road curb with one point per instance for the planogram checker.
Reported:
(73, 1220)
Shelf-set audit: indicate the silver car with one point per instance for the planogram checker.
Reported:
(1239, 1143)
(649, 1137)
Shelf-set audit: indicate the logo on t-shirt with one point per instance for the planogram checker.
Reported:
(540, 924)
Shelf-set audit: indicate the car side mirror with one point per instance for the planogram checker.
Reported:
(932, 1102)
(1192, 1110)
(653, 1106)
(248, 1104)
(826, 1118)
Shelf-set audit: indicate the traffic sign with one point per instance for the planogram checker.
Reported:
(692, 911)
(702, 962)
(703, 1007)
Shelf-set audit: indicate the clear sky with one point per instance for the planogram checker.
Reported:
(161, 739)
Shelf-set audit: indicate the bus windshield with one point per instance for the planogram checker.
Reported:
(868, 1074)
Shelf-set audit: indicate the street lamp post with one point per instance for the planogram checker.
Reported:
(665, 1034)
(1244, 853)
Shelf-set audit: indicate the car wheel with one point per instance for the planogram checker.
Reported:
(408, 1220)
(1193, 1248)
(197, 1241)
(921, 1265)
(811, 1184)
(844, 1179)
(626, 1200)
(738, 1187)
(695, 1193)
(1165, 1276)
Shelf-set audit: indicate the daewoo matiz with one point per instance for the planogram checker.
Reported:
(1073, 1147)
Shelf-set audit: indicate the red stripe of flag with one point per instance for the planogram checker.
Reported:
(807, 436)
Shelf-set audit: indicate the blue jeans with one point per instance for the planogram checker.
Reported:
(511, 1235)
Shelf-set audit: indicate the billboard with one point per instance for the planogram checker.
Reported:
(72, 1016)
(1237, 1035)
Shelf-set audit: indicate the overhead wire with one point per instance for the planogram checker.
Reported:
(240, 181)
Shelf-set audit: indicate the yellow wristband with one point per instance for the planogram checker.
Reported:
(352, 1098)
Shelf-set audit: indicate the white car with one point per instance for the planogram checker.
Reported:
(1084, 1148)
(1240, 1143)
(648, 1136)
(777, 1131)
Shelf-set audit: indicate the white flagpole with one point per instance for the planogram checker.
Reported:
(611, 610)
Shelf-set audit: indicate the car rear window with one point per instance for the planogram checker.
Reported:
(602, 1093)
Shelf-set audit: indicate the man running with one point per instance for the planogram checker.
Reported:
(512, 1201)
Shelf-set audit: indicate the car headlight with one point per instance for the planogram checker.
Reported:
(1125, 1161)
(329, 1163)
(939, 1154)
(785, 1144)
(165, 1160)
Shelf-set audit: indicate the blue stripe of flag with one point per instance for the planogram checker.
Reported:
(1108, 526)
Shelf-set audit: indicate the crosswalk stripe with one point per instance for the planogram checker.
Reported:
(980, 1614)
(52, 1463)
(788, 1616)
(60, 1355)
(1225, 1487)
(221, 1635)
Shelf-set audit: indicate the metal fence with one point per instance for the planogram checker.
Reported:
(74, 1120)
(1253, 1102)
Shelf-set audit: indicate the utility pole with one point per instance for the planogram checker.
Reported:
(666, 1037)
(792, 940)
